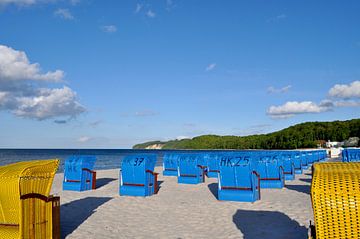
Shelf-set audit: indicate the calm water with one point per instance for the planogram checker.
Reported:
(106, 158)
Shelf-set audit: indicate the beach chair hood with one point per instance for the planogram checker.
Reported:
(16, 180)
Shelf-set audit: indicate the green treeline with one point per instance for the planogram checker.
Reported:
(304, 135)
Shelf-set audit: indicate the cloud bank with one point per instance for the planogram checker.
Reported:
(21, 95)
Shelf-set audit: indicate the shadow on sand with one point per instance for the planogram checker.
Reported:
(306, 180)
(74, 213)
(299, 188)
(268, 225)
(101, 182)
(213, 187)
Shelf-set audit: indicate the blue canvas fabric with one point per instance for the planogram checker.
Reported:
(351, 155)
(288, 164)
(269, 166)
(237, 179)
(190, 170)
(170, 164)
(78, 173)
(137, 175)
(304, 160)
(212, 163)
(296, 155)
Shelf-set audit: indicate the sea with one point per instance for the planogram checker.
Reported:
(105, 158)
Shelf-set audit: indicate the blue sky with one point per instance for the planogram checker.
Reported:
(110, 74)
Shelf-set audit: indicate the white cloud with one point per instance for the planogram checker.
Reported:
(284, 89)
(347, 103)
(45, 104)
(150, 13)
(146, 113)
(83, 139)
(20, 96)
(346, 91)
(277, 18)
(64, 14)
(292, 108)
(14, 65)
(181, 137)
(74, 2)
(210, 67)
(19, 2)
(109, 28)
(170, 5)
(138, 7)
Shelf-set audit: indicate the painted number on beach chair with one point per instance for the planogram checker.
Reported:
(138, 161)
(234, 162)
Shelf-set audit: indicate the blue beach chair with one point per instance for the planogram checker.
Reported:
(297, 162)
(170, 164)
(270, 169)
(212, 163)
(304, 160)
(310, 158)
(137, 175)
(79, 174)
(288, 165)
(353, 154)
(238, 181)
(189, 169)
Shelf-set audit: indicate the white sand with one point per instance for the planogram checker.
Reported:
(183, 211)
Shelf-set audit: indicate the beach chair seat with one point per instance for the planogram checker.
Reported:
(189, 170)
(335, 195)
(212, 163)
(170, 164)
(237, 179)
(137, 176)
(270, 169)
(79, 174)
(26, 208)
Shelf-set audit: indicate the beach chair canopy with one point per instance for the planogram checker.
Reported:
(190, 171)
(134, 167)
(335, 194)
(212, 163)
(75, 164)
(26, 209)
(19, 179)
(170, 164)
(237, 179)
(79, 174)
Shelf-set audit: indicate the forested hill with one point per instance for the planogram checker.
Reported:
(304, 135)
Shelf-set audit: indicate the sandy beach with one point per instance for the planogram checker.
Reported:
(183, 211)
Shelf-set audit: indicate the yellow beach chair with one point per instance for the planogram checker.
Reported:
(335, 195)
(26, 209)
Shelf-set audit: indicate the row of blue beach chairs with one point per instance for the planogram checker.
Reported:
(241, 174)
(351, 155)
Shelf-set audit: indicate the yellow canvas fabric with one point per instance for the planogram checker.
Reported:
(20, 179)
(335, 194)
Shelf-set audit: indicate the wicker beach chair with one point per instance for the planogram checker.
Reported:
(79, 174)
(335, 195)
(137, 175)
(170, 164)
(238, 181)
(190, 170)
(269, 166)
(26, 209)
